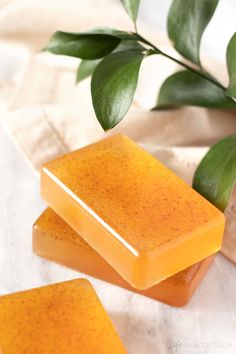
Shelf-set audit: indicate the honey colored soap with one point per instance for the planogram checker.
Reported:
(138, 215)
(65, 318)
(55, 240)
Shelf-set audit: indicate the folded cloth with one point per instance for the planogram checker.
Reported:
(48, 115)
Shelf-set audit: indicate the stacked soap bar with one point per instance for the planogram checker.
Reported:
(133, 211)
(63, 318)
(55, 240)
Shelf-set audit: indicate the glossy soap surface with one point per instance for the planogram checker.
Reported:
(57, 241)
(120, 198)
(65, 318)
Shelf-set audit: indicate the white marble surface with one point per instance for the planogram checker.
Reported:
(206, 325)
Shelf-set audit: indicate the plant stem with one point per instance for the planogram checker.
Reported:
(186, 66)
(198, 72)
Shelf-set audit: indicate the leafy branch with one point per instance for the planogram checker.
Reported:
(113, 58)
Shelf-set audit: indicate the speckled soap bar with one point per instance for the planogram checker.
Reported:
(139, 216)
(65, 318)
(55, 240)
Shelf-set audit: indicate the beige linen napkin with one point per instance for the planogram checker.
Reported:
(48, 115)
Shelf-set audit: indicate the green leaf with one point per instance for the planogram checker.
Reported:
(126, 44)
(187, 21)
(231, 63)
(114, 33)
(131, 7)
(91, 45)
(113, 86)
(86, 69)
(216, 174)
(187, 88)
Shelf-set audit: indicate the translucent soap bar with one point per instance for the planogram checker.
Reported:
(55, 240)
(139, 216)
(65, 318)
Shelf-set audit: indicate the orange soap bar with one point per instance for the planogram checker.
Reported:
(138, 215)
(65, 318)
(57, 241)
